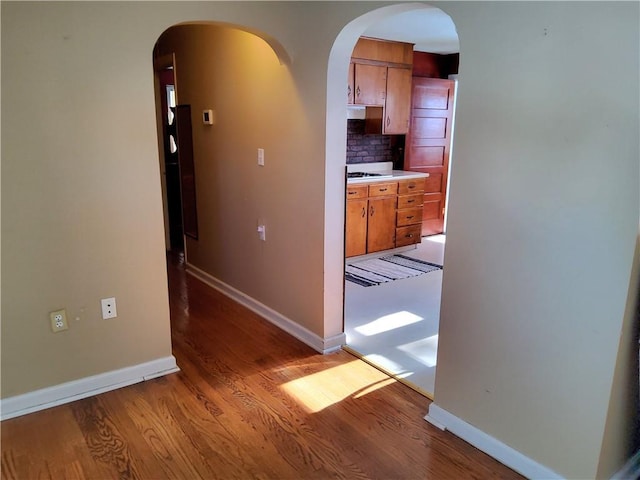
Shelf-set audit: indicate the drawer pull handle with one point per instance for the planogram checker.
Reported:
(412, 186)
(382, 190)
(364, 212)
(408, 201)
(409, 217)
(409, 236)
(352, 193)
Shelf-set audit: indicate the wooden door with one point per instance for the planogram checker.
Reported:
(381, 228)
(398, 102)
(428, 144)
(370, 84)
(187, 171)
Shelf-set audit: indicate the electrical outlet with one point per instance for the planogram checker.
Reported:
(109, 308)
(58, 321)
(262, 233)
(261, 157)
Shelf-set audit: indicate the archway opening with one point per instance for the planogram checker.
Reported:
(421, 350)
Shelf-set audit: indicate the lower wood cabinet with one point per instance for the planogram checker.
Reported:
(356, 220)
(409, 214)
(370, 218)
(383, 215)
(381, 233)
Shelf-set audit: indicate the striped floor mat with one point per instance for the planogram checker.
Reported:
(386, 269)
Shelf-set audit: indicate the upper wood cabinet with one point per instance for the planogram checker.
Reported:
(388, 51)
(397, 107)
(380, 79)
(370, 83)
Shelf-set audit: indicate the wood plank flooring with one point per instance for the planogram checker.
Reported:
(250, 402)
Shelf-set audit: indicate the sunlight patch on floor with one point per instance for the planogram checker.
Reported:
(320, 390)
(388, 322)
(424, 350)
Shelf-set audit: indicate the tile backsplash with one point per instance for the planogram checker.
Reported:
(368, 148)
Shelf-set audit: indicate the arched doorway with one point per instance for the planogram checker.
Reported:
(339, 59)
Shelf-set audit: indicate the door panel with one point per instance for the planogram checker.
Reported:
(187, 171)
(427, 156)
(428, 145)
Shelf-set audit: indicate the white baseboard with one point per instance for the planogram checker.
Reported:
(319, 344)
(489, 445)
(85, 387)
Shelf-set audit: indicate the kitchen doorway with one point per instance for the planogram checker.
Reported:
(394, 325)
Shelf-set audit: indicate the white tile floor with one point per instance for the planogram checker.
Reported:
(395, 325)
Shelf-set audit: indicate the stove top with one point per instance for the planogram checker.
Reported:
(363, 174)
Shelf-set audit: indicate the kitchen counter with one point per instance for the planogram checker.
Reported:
(392, 176)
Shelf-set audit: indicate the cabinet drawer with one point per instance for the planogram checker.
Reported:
(357, 191)
(409, 216)
(383, 189)
(407, 201)
(408, 235)
(410, 186)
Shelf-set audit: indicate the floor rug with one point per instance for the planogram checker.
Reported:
(386, 269)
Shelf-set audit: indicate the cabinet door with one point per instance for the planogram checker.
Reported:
(381, 234)
(370, 84)
(356, 228)
(398, 102)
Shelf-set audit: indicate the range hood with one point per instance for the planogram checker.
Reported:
(356, 112)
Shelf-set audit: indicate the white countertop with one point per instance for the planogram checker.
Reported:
(393, 175)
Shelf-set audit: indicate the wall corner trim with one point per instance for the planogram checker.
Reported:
(319, 344)
(489, 445)
(85, 387)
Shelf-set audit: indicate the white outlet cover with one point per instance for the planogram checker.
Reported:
(109, 308)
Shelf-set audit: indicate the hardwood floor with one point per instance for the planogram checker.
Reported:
(250, 402)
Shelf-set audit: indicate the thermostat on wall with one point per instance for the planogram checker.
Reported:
(207, 117)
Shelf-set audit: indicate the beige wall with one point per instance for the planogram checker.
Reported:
(257, 105)
(543, 217)
(542, 226)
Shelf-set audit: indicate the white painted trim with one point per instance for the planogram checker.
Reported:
(631, 469)
(85, 387)
(489, 445)
(319, 344)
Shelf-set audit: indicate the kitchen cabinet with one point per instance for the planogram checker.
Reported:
(370, 218)
(383, 215)
(381, 233)
(370, 84)
(410, 212)
(356, 220)
(393, 117)
(380, 79)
